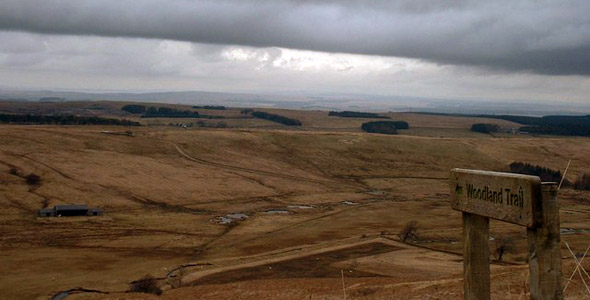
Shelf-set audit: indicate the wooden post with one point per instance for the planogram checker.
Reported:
(476, 257)
(544, 249)
(514, 198)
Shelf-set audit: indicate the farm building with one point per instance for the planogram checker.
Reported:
(69, 210)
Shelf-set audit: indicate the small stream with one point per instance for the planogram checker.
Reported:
(278, 211)
(230, 218)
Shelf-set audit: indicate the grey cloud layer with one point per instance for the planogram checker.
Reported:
(546, 37)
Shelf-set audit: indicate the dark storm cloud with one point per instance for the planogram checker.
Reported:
(546, 37)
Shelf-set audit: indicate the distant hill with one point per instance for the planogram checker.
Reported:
(307, 101)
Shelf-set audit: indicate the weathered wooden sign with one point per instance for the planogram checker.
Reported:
(518, 199)
(502, 196)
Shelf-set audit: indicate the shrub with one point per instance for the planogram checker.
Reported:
(146, 284)
(13, 171)
(583, 182)
(503, 245)
(385, 127)
(33, 179)
(485, 128)
(408, 231)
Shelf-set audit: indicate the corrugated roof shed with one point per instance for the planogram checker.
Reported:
(69, 207)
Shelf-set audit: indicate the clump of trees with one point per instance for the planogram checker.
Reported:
(214, 107)
(546, 174)
(485, 128)
(409, 231)
(146, 284)
(385, 127)
(379, 127)
(276, 118)
(583, 182)
(356, 114)
(29, 119)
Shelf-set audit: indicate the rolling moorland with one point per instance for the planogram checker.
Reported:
(246, 208)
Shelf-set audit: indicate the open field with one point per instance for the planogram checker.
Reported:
(325, 192)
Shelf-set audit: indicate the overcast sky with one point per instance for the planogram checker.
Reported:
(521, 50)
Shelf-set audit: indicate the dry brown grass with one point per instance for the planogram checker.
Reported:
(161, 208)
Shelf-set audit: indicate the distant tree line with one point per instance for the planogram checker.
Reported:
(62, 120)
(200, 124)
(159, 112)
(565, 129)
(356, 114)
(276, 118)
(555, 125)
(385, 127)
(485, 128)
(215, 107)
(546, 174)
(167, 112)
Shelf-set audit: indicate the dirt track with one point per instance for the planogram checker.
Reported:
(190, 278)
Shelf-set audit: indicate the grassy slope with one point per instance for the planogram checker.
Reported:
(161, 207)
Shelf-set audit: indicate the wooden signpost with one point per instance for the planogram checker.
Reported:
(514, 198)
